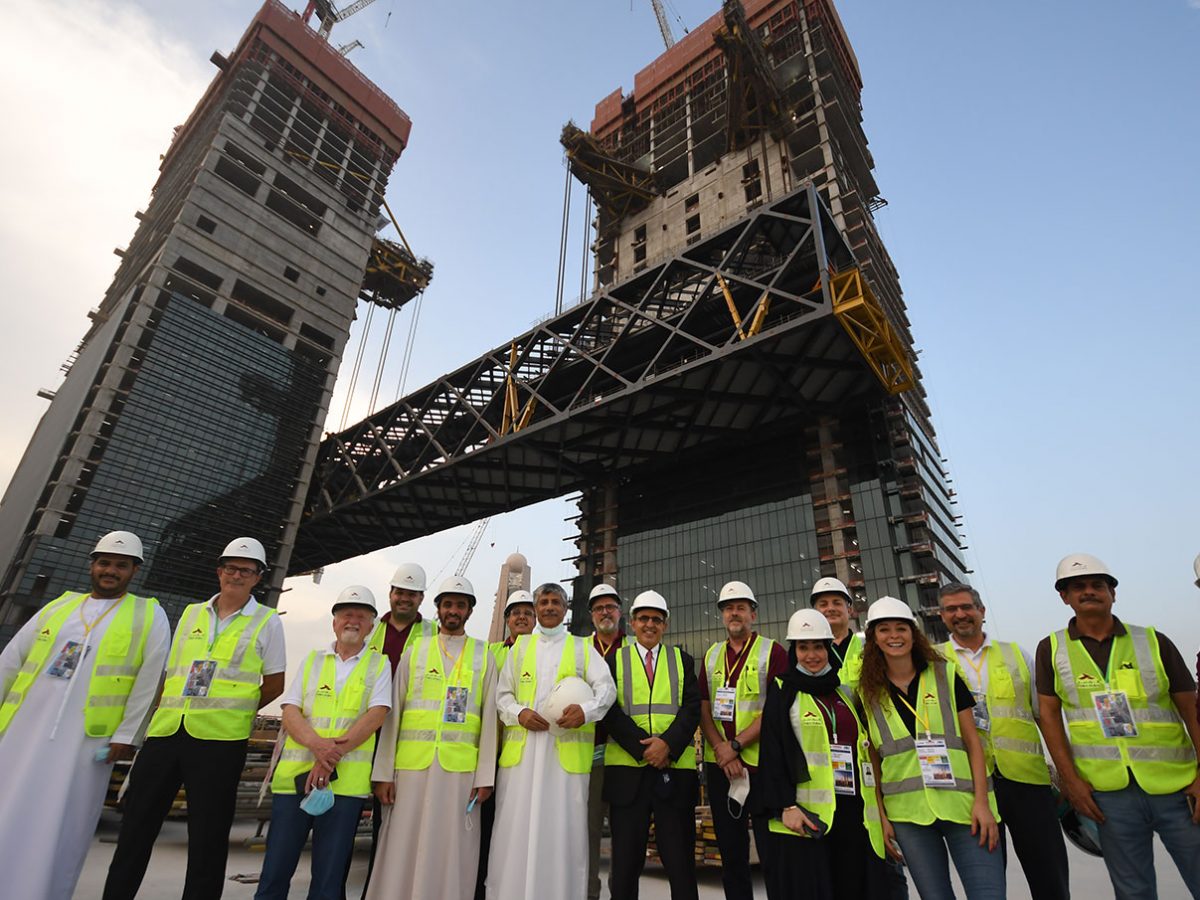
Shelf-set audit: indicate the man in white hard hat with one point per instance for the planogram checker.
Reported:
(733, 689)
(390, 637)
(539, 847)
(437, 758)
(604, 605)
(1001, 677)
(1127, 756)
(227, 661)
(331, 711)
(77, 683)
(831, 598)
(650, 758)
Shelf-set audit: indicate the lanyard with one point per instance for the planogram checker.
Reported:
(88, 626)
(453, 679)
(604, 648)
(924, 720)
(841, 657)
(740, 658)
(977, 669)
(829, 713)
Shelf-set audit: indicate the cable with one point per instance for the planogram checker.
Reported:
(408, 347)
(562, 244)
(387, 339)
(583, 261)
(362, 345)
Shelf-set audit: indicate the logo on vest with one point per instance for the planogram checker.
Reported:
(527, 678)
(197, 631)
(325, 690)
(811, 718)
(1126, 665)
(1087, 679)
(45, 633)
(929, 698)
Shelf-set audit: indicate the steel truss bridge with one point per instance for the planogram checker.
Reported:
(765, 324)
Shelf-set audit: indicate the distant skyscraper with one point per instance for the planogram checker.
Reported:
(515, 575)
(192, 409)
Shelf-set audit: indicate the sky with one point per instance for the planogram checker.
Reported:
(1039, 163)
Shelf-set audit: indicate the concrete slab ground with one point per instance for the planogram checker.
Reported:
(164, 878)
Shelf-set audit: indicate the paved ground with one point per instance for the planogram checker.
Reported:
(165, 876)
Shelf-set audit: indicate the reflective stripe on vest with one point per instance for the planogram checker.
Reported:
(424, 731)
(906, 798)
(331, 713)
(652, 708)
(1162, 757)
(573, 745)
(1013, 742)
(751, 690)
(227, 713)
(118, 659)
(851, 668)
(817, 794)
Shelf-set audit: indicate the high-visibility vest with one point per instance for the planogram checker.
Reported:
(420, 628)
(817, 795)
(652, 709)
(331, 713)
(227, 713)
(499, 651)
(851, 669)
(1012, 742)
(424, 731)
(574, 745)
(118, 659)
(905, 796)
(751, 689)
(1161, 756)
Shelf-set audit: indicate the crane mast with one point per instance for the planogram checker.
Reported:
(663, 25)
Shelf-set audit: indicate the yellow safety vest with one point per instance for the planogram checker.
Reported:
(751, 690)
(420, 628)
(817, 794)
(331, 713)
(227, 713)
(652, 709)
(424, 731)
(905, 795)
(115, 667)
(1012, 742)
(574, 745)
(1162, 757)
(851, 669)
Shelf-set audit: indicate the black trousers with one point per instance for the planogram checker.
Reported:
(209, 771)
(487, 819)
(376, 822)
(674, 835)
(733, 837)
(1027, 811)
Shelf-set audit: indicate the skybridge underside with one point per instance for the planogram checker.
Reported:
(733, 338)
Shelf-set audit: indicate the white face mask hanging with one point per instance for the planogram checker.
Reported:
(739, 790)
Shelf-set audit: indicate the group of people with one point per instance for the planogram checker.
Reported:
(492, 768)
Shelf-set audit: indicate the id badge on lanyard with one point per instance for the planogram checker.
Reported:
(842, 757)
(935, 763)
(200, 677)
(67, 661)
(456, 705)
(723, 705)
(983, 718)
(1114, 714)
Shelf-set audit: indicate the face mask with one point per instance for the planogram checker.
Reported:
(739, 790)
(318, 801)
(558, 629)
(803, 671)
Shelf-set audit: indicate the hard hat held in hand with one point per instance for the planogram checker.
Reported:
(1080, 564)
(571, 690)
(120, 543)
(808, 625)
(245, 548)
(889, 608)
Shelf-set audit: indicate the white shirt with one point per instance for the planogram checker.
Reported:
(270, 643)
(654, 654)
(974, 669)
(381, 693)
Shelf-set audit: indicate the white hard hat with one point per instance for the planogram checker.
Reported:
(120, 543)
(355, 595)
(1196, 567)
(828, 586)
(571, 690)
(455, 584)
(808, 625)
(1080, 564)
(736, 590)
(409, 577)
(245, 548)
(889, 608)
(649, 600)
(602, 590)
(517, 597)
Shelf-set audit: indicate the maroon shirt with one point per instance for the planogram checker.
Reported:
(394, 641)
(617, 643)
(777, 664)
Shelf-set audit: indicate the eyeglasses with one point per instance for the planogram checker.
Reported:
(244, 571)
(649, 620)
(606, 608)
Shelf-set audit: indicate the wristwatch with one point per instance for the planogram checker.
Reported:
(736, 745)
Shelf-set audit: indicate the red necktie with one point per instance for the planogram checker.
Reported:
(650, 666)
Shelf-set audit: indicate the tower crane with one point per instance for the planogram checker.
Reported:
(476, 537)
(663, 25)
(330, 15)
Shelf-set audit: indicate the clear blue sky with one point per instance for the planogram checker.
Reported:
(1039, 160)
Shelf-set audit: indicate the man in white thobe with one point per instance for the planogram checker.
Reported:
(61, 681)
(436, 762)
(540, 841)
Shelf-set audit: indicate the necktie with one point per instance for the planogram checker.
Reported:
(650, 666)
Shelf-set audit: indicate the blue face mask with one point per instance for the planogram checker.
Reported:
(318, 801)
(803, 671)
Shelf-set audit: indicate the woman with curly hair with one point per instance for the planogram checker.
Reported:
(932, 787)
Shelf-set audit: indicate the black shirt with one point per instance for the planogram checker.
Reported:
(963, 699)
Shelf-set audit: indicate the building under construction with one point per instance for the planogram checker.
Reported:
(192, 410)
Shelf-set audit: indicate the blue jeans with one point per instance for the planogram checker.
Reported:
(333, 842)
(924, 848)
(1131, 817)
